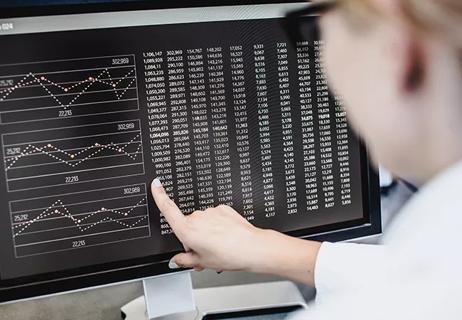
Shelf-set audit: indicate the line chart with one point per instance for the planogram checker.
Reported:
(72, 158)
(77, 220)
(64, 212)
(72, 155)
(68, 88)
(43, 82)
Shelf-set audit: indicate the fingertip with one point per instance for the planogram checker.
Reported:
(167, 207)
(156, 183)
(157, 188)
(175, 262)
(172, 264)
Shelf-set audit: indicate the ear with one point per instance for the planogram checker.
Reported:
(409, 50)
(413, 69)
(389, 7)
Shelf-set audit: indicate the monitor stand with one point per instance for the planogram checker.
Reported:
(168, 294)
(257, 298)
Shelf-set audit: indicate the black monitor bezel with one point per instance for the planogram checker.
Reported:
(133, 269)
(49, 10)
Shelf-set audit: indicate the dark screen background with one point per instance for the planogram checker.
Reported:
(66, 202)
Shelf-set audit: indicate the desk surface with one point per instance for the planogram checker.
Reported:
(105, 303)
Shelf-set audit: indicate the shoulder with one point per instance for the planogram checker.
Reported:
(433, 214)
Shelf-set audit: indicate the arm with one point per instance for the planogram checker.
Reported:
(286, 257)
(348, 266)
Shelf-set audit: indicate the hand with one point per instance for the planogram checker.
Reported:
(221, 239)
(216, 238)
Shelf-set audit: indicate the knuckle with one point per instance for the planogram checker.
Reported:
(196, 213)
(193, 217)
(209, 210)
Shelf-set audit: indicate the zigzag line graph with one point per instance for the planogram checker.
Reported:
(97, 216)
(43, 82)
(69, 158)
(82, 153)
(58, 208)
(62, 89)
(47, 158)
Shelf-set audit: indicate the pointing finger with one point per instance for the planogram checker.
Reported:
(168, 208)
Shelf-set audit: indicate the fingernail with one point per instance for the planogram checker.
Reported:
(172, 265)
(156, 183)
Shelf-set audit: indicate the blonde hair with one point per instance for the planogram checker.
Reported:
(442, 18)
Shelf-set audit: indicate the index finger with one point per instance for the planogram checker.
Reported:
(167, 207)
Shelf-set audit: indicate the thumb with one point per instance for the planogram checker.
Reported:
(185, 260)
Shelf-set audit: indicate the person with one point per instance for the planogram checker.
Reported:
(397, 64)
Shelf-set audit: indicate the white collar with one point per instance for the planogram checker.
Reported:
(438, 201)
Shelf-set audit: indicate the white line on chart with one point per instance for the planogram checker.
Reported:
(49, 149)
(90, 81)
(78, 222)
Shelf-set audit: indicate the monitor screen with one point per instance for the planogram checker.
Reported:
(214, 100)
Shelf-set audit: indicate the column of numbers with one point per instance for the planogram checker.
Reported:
(325, 129)
(341, 128)
(181, 141)
(159, 125)
(242, 128)
(264, 129)
(220, 125)
(287, 127)
(200, 128)
(308, 133)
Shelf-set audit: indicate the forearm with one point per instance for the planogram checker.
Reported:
(287, 257)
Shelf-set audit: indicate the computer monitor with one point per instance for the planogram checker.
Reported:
(98, 99)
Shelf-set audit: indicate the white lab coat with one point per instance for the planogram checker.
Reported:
(416, 271)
